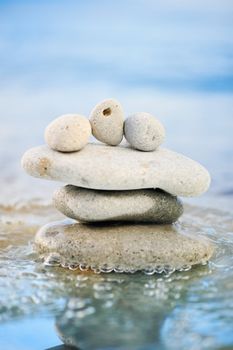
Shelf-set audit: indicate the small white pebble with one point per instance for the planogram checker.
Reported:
(107, 121)
(144, 132)
(68, 133)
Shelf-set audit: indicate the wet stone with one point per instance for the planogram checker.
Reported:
(123, 247)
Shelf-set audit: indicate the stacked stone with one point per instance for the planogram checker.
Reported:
(136, 183)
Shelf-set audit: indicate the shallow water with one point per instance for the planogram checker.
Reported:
(183, 310)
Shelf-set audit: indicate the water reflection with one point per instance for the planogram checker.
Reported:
(179, 311)
(122, 312)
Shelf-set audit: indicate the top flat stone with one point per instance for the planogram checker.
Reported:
(119, 168)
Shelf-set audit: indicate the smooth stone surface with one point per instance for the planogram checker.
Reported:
(125, 247)
(136, 205)
(68, 133)
(119, 168)
(144, 132)
(107, 121)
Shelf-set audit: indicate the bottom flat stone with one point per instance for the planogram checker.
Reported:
(122, 248)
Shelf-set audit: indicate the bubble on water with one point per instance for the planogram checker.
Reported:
(52, 259)
(185, 268)
(83, 267)
(65, 264)
(106, 269)
(169, 269)
(129, 270)
(159, 269)
(73, 267)
(95, 269)
(118, 269)
(149, 271)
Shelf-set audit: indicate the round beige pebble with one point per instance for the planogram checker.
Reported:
(144, 132)
(68, 133)
(107, 121)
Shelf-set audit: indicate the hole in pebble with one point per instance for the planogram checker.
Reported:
(107, 112)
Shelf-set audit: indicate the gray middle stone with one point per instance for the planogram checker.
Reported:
(86, 205)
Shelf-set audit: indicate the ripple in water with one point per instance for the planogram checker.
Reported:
(191, 309)
(54, 259)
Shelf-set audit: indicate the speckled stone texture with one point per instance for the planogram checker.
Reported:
(107, 121)
(119, 168)
(68, 133)
(144, 132)
(137, 205)
(126, 247)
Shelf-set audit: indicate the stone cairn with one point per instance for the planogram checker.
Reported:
(123, 199)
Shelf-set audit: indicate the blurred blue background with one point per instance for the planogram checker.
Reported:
(171, 58)
(170, 45)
